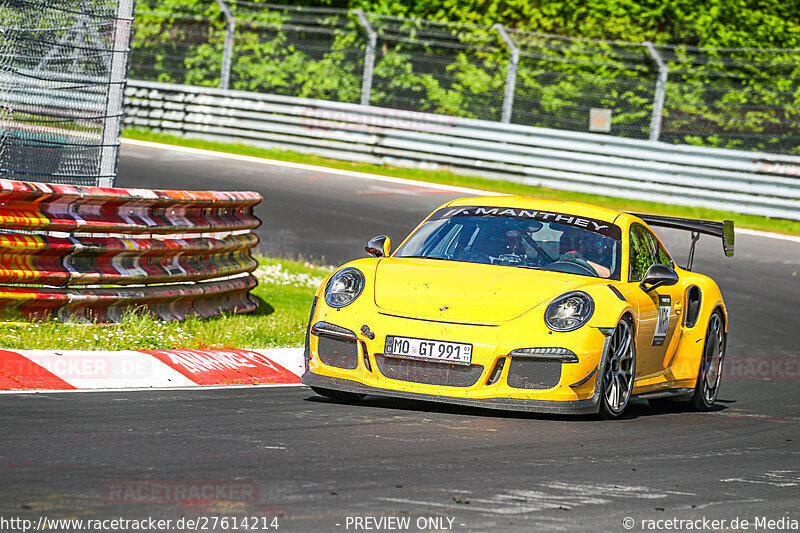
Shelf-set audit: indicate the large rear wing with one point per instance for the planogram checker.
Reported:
(723, 230)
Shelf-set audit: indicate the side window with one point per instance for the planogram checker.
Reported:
(663, 256)
(642, 252)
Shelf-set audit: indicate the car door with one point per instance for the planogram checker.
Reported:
(658, 310)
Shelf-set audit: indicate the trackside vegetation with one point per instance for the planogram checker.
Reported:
(733, 80)
(710, 23)
(714, 23)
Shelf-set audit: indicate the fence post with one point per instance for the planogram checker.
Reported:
(227, 51)
(369, 56)
(511, 75)
(6, 109)
(661, 89)
(120, 50)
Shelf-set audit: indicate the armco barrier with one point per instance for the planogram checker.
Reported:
(91, 254)
(746, 182)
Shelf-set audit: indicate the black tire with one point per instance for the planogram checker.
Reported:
(710, 372)
(619, 371)
(343, 396)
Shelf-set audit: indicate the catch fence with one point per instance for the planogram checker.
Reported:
(63, 67)
(728, 98)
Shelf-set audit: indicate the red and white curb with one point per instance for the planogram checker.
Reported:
(60, 370)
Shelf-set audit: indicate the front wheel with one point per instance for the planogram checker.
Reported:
(343, 396)
(619, 371)
(708, 377)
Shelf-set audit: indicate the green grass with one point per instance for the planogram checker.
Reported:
(506, 187)
(285, 291)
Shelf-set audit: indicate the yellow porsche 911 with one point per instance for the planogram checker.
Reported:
(522, 304)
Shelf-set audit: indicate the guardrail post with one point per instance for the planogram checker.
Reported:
(661, 89)
(227, 51)
(369, 56)
(511, 75)
(120, 49)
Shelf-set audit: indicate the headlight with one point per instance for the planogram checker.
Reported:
(569, 311)
(344, 287)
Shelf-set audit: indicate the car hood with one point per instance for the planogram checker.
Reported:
(465, 292)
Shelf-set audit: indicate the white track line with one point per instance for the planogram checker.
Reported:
(376, 177)
(311, 168)
(758, 233)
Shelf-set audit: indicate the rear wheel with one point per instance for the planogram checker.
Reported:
(619, 371)
(339, 395)
(710, 372)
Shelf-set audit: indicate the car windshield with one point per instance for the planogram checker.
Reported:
(519, 238)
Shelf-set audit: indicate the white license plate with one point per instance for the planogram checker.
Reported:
(428, 350)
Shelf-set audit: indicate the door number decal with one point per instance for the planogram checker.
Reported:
(662, 326)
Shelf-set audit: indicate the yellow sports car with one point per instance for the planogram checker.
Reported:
(515, 303)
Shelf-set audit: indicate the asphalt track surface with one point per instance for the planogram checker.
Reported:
(317, 462)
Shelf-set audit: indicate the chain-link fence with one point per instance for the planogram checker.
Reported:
(747, 99)
(313, 53)
(733, 98)
(62, 73)
(561, 80)
(456, 70)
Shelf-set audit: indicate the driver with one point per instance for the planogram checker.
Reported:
(579, 244)
(521, 244)
(514, 243)
(514, 249)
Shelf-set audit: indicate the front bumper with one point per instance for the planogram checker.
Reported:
(576, 407)
(575, 390)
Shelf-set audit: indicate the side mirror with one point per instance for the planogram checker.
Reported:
(379, 246)
(658, 275)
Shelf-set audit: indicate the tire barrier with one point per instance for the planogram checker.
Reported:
(89, 254)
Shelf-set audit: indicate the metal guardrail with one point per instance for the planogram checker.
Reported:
(91, 254)
(745, 182)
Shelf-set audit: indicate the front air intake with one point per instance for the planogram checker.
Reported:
(338, 352)
(444, 374)
(536, 374)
